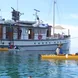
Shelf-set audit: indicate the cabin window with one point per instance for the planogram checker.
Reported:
(15, 29)
(15, 33)
(43, 31)
(39, 31)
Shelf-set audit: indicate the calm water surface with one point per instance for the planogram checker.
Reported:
(24, 64)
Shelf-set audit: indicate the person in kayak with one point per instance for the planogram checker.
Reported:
(59, 49)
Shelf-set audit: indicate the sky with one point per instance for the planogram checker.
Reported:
(66, 11)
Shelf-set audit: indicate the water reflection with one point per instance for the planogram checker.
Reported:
(63, 68)
(25, 64)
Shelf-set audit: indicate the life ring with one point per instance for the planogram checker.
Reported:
(39, 37)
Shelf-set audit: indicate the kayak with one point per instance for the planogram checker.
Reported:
(4, 49)
(7, 49)
(60, 57)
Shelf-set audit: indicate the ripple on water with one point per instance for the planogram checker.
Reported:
(24, 65)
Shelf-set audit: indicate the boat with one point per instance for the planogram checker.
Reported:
(8, 50)
(30, 35)
(4, 49)
(60, 57)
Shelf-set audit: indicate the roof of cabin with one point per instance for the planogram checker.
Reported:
(22, 24)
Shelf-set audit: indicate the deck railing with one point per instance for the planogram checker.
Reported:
(58, 36)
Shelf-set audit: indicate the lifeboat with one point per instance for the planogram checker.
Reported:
(60, 57)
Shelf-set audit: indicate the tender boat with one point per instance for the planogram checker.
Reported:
(60, 57)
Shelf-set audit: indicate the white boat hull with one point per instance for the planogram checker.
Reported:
(41, 45)
(45, 47)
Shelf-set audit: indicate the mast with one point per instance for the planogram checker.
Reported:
(54, 16)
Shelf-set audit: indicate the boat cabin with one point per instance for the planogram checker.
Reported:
(23, 30)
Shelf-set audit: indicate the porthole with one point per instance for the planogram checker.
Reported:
(34, 43)
(46, 42)
(54, 42)
(38, 43)
(42, 42)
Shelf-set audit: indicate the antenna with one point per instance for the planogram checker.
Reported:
(36, 11)
(16, 14)
(12, 8)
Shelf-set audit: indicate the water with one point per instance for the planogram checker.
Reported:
(25, 64)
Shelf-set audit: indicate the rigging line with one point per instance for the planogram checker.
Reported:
(61, 10)
(50, 8)
(58, 13)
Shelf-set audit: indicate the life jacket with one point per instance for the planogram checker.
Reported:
(61, 52)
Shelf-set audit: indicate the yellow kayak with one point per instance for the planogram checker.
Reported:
(8, 50)
(60, 57)
(4, 49)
